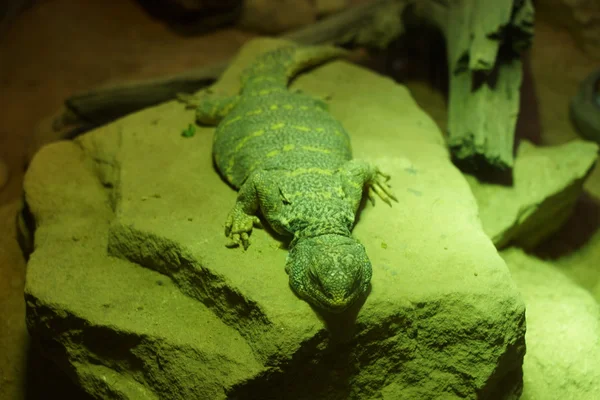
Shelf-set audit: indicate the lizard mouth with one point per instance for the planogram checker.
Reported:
(332, 300)
(322, 302)
(341, 306)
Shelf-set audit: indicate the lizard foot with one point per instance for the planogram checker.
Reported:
(239, 226)
(381, 188)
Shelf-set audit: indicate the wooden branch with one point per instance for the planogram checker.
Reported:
(485, 86)
(372, 24)
(482, 120)
(473, 33)
(484, 40)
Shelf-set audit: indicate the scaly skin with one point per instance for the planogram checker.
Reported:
(290, 159)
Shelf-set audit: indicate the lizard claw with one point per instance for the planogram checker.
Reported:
(371, 196)
(381, 188)
(387, 177)
(239, 227)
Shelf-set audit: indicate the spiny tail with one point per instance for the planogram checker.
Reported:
(276, 68)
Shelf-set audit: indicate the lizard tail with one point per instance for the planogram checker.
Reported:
(274, 69)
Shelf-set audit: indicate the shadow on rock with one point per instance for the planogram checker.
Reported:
(577, 231)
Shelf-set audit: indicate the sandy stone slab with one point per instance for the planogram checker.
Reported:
(443, 316)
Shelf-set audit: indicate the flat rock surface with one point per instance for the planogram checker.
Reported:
(563, 331)
(130, 277)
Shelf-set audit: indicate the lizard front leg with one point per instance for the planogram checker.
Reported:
(258, 192)
(358, 174)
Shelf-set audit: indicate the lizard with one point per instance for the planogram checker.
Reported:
(291, 161)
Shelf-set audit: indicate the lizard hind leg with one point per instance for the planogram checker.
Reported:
(210, 109)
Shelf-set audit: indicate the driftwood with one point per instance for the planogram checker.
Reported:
(484, 41)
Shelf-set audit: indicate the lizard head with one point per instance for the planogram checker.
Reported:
(330, 271)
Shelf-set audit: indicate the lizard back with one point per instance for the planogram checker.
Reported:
(270, 127)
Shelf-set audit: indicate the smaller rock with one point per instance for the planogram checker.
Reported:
(584, 108)
(4, 174)
(546, 184)
(328, 7)
(276, 16)
(563, 331)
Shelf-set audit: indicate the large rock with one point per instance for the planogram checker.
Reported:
(132, 290)
(563, 332)
(547, 181)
